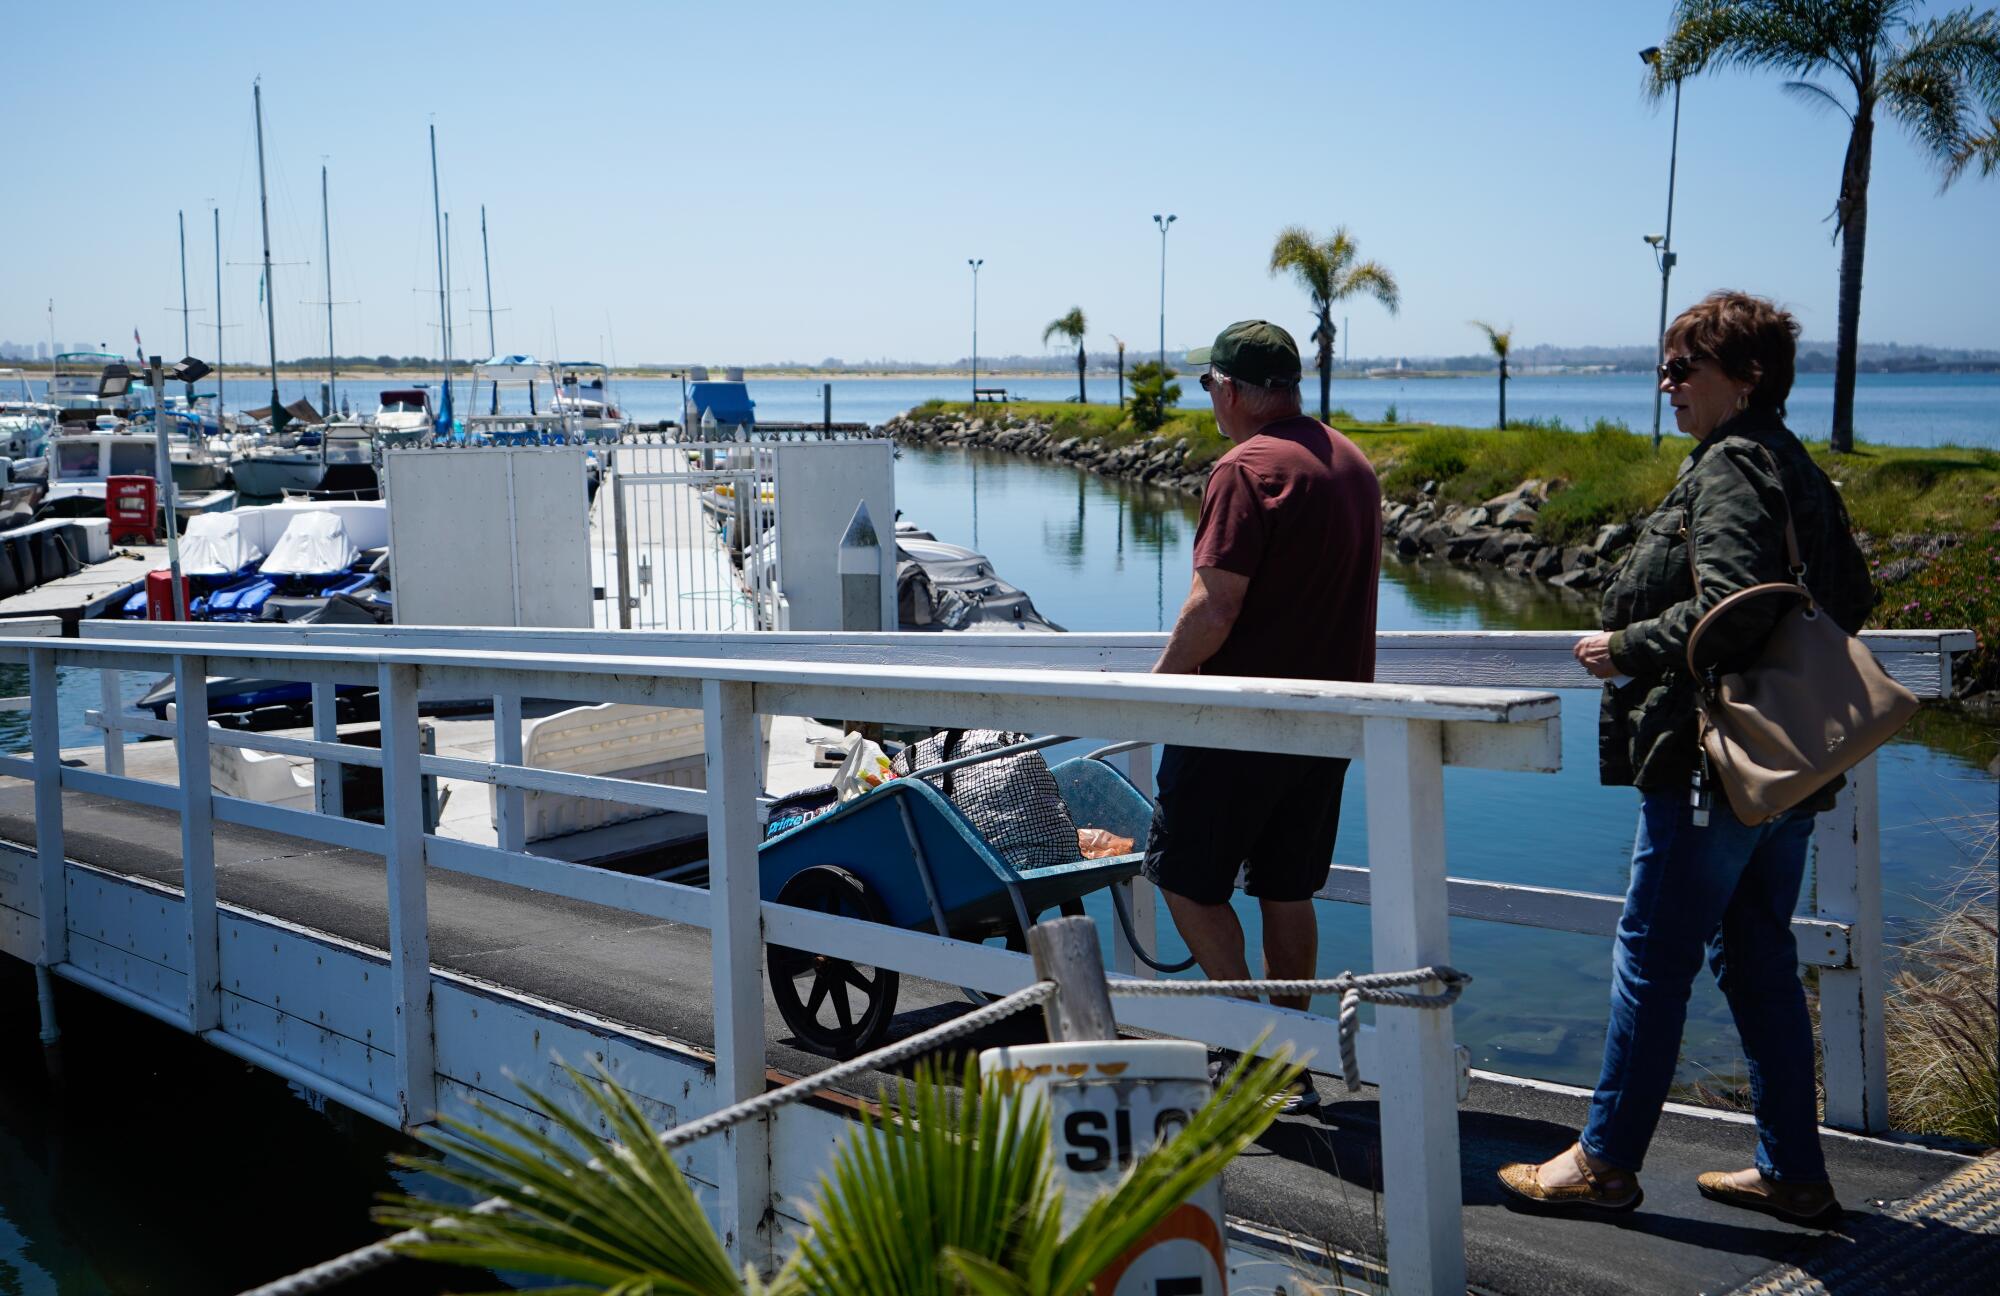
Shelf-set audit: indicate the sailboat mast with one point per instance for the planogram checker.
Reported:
(437, 223)
(447, 295)
(187, 348)
(486, 257)
(220, 386)
(270, 295)
(326, 256)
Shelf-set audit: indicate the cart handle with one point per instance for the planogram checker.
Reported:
(1013, 749)
(1116, 749)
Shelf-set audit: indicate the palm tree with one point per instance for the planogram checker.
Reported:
(1329, 273)
(1121, 369)
(1939, 77)
(943, 1192)
(1070, 326)
(1502, 342)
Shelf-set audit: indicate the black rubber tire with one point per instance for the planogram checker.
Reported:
(824, 1016)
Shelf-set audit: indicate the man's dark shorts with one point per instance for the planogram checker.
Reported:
(1219, 810)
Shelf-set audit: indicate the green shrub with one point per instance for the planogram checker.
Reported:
(1389, 415)
(1959, 588)
(1153, 391)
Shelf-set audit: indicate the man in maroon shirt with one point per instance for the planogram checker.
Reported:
(1286, 559)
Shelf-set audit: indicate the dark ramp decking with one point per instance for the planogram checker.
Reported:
(1313, 1177)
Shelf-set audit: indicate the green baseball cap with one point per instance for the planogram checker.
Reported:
(1254, 351)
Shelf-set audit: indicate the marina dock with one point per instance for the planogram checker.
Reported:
(406, 974)
(87, 591)
(1311, 1182)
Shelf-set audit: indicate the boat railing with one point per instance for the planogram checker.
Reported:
(1406, 730)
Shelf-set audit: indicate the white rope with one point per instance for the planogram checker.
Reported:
(1371, 987)
(369, 1258)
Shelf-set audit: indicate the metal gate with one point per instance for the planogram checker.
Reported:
(685, 536)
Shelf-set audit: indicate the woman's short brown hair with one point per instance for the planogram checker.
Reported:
(1753, 339)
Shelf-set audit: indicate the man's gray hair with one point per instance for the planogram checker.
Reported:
(1268, 402)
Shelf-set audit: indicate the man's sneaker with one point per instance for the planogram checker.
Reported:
(1304, 1100)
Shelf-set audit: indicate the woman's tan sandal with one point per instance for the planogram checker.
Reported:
(1809, 1204)
(1616, 1190)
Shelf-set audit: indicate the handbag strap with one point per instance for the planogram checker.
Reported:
(1739, 597)
(1793, 562)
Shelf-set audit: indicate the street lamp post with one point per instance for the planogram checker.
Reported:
(975, 264)
(116, 381)
(1663, 244)
(1163, 222)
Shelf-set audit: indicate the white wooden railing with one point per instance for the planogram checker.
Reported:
(1409, 727)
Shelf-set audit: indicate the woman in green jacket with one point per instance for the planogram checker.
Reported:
(1702, 881)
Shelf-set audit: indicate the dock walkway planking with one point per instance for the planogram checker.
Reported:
(76, 595)
(1310, 1182)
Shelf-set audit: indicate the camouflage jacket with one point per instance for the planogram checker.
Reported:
(1729, 503)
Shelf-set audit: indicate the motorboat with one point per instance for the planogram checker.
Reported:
(74, 379)
(198, 450)
(943, 586)
(79, 462)
(560, 424)
(25, 422)
(404, 417)
(583, 394)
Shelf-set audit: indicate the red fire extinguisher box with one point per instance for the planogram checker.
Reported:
(133, 506)
(160, 593)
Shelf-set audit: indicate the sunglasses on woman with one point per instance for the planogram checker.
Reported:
(1677, 368)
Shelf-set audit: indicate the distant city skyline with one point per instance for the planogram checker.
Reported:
(748, 185)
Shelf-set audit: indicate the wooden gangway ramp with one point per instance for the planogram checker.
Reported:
(409, 975)
(1311, 1182)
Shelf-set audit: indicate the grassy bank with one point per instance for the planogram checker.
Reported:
(1906, 499)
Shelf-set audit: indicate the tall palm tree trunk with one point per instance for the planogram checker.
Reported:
(1503, 393)
(1080, 398)
(1325, 366)
(1853, 249)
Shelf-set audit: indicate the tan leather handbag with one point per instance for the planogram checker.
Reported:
(1812, 706)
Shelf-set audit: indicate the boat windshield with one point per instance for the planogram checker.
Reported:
(77, 459)
(131, 459)
(402, 407)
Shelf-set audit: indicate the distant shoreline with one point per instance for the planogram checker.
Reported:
(463, 371)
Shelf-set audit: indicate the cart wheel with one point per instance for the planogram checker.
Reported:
(831, 1004)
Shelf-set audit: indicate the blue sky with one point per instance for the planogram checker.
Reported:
(748, 183)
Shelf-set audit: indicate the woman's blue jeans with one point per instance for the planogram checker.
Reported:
(1729, 890)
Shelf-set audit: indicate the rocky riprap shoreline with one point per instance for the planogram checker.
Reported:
(1157, 461)
(1498, 533)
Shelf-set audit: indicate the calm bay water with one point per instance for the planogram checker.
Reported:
(134, 1173)
(1890, 409)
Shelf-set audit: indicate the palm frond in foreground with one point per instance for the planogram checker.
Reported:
(948, 1189)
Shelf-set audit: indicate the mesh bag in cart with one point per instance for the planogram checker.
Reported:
(1011, 800)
